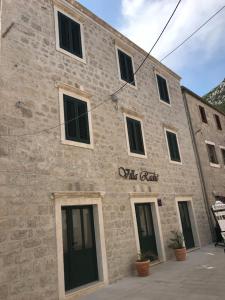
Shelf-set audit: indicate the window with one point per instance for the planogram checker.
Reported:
(218, 123)
(69, 38)
(126, 67)
(173, 146)
(163, 90)
(75, 117)
(203, 114)
(76, 120)
(212, 154)
(223, 154)
(135, 136)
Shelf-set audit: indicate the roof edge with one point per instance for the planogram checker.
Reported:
(85, 11)
(185, 89)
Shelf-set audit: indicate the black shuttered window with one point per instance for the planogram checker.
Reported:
(126, 67)
(70, 35)
(76, 120)
(135, 136)
(163, 90)
(173, 146)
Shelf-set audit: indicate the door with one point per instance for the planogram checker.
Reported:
(186, 224)
(146, 230)
(79, 248)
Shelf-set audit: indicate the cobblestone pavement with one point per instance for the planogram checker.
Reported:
(202, 276)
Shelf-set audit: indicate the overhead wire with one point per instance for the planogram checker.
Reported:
(193, 33)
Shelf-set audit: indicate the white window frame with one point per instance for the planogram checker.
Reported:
(118, 66)
(160, 100)
(62, 120)
(76, 199)
(136, 198)
(212, 164)
(127, 136)
(192, 216)
(222, 148)
(58, 48)
(168, 149)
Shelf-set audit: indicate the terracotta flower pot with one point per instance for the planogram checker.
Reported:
(142, 267)
(180, 254)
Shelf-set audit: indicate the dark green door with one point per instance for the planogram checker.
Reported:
(80, 260)
(186, 224)
(146, 230)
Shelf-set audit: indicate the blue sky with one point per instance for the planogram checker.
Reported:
(200, 62)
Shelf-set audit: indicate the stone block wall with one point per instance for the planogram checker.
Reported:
(214, 176)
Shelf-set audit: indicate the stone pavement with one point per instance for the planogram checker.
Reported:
(201, 277)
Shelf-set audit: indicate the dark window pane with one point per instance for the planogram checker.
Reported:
(203, 114)
(70, 35)
(76, 39)
(64, 33)
(173, 146)
(212, 154)
(77, 231)
(218, 123)
(76, 120)
(135, 136)
(126, 67)
(83, 120)
(70, 118)
(163, 90)
(223, 155)
(88, 239)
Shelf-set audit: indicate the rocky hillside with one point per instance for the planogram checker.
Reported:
(216, 96)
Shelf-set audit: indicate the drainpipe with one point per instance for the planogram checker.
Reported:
(197, 156)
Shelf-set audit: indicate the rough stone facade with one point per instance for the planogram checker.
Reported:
(214, 177)
(33, 166)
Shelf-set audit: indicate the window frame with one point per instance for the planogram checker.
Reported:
(168, 149)
(210, 163)
(222, 148)
(125, 115)
(62, 119)
(218, 122)
(58, 48)
(206, 123)
(168, 90)
(118, 66)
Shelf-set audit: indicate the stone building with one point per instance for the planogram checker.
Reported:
(208, 131)
(87, 180)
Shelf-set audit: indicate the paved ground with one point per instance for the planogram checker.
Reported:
(201, 277)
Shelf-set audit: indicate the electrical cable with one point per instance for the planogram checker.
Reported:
(194, 32)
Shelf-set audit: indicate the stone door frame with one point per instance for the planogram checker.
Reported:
(192, 216)
(77, 199)
(151, 199)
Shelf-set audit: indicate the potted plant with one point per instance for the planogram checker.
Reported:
(177, 243)
(142, 264)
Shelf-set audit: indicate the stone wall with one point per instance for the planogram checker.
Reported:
(34, 166)
(214, 177)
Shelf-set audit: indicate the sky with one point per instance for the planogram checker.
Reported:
(200, 62)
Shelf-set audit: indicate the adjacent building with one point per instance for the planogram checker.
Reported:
(87, 180)
(208, 131)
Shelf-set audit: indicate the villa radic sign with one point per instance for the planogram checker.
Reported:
(142, 176)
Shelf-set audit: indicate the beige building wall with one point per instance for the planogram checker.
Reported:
(35, 164)
(214, 176)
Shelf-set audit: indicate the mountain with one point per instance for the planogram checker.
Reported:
(216, 96)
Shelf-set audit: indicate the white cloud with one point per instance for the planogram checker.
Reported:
(144, 20)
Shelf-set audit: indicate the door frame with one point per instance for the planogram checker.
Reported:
(192, 216)
(79, 199)
(156, 222)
